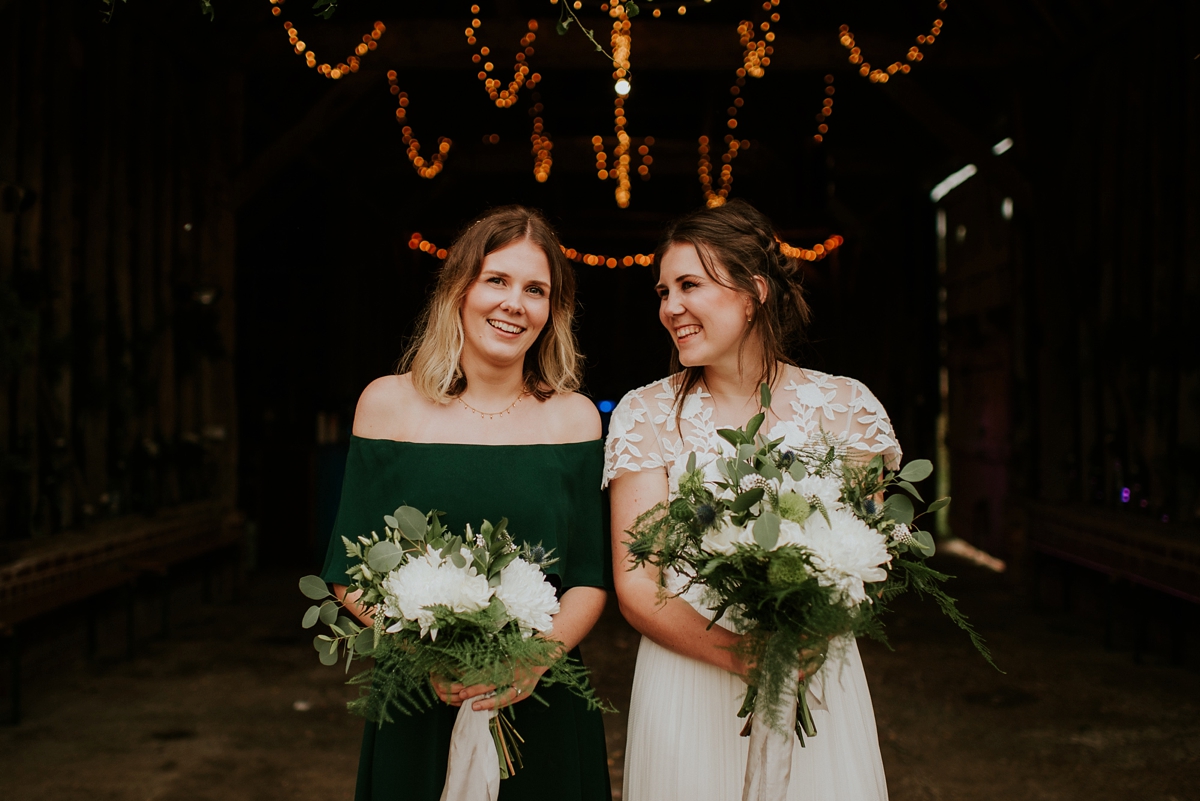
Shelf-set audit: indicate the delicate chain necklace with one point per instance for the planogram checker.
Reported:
(490, 415)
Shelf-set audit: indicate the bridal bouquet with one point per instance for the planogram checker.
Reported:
(794, 546)
(467, 608)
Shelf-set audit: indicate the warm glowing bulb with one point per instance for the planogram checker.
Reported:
(622, 87)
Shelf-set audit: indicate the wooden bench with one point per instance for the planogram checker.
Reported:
(80, 566)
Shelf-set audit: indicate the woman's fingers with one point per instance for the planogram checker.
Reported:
(466, 693)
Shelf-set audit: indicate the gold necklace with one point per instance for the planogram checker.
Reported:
(490, 415)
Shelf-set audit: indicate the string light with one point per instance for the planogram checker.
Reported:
(504, 98)
(816, 253)
(369, 42)
(756, 57)
(425, 168)
(622, 155)
(541, 151)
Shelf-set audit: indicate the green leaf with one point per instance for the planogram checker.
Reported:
(391, 521)
(314, 587)
(458, 559)
(347, 624)
(876, 464)
(383, 557)
(755, 423)
(691, 462)
(925, 541)
(917, 470)
(898, 508)
(770, 471)
(329, 657)
(732, 436)
(938, 505)
(746, 450)
(764, 395)
(310, 617)
(562, 26)
(501, 562)
(911, 489)
(321, 642)
(747, 499)
(328, 613)
(766, 530)
(412, 523)
(798, 471)
(631, 9)
(364, 643)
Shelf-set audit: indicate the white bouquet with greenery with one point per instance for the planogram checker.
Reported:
(473, 609)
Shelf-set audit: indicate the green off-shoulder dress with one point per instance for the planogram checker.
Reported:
(550, 494)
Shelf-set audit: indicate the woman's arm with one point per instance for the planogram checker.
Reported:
(672, 623)
(350, 604)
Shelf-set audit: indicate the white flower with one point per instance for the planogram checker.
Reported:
(901, 534)
(827, 490)
(790, 533)
(724, 538)
(846, 552)
(431, 580)
(527, 596)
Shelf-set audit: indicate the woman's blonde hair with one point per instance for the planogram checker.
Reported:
(434, 356)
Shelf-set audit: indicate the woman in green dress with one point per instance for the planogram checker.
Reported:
(483, 424)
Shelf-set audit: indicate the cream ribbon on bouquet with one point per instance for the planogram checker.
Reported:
(473, 771)
(769, 763)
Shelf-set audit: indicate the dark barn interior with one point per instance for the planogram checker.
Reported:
(208, 248)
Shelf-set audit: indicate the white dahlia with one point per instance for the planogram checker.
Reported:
(528, 597)
(725, 538)
(431, 580)
(846, 553)
(827, 490)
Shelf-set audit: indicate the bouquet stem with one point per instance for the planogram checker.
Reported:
(769, 762)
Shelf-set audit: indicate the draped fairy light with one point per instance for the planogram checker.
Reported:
(522, 77)
(334, 72)
(816, 253)
(618, 168)
(541, 151)
(426, 168)
(756, 57)
(874, 75)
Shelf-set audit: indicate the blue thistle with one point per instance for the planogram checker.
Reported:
(869, 506)
(705, 515)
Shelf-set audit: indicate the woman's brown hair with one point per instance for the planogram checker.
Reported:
(736, 242)
(552, 363)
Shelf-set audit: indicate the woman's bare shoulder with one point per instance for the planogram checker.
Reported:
(385, 406)
(572, 418)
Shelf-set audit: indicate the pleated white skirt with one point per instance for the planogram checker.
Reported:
(683, 740)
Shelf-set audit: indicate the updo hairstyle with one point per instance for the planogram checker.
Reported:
(735, 243)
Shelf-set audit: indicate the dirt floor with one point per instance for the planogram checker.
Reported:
(234, 706)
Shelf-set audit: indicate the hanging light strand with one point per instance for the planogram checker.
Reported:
(426, 168)
(756, 57)
(522, 76)
(542, 161)
(619, 168)
(816, 253)
(341, 69)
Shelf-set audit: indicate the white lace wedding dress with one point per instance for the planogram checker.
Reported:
(683, 740)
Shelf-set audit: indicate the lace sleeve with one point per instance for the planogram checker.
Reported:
(869, 429)
(632, 444)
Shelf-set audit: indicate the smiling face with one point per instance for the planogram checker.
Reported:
(706, 320)
(507, 305)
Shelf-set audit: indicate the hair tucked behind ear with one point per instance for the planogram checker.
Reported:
(741, 240)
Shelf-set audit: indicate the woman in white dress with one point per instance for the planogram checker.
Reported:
(732, 303)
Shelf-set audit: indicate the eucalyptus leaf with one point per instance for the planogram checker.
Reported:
(364, 643)
(755, 423)
(328, 613)
(917, 470)
(691, 462)
(746, 450)
(310, 617)
(764, 395)
(876, 464)
(314, 587)
(925, 542)
(384, 556)
(329, 657)
(770, 471)
(938, 505)
(411, 522)
(911, 489)
(501, 562)
(348, 624)
(458, 559)
(746, 500)
(391, 521)
(732, 436)
(797, 471)
(898, 508)
(766, 530)
(321, 642)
